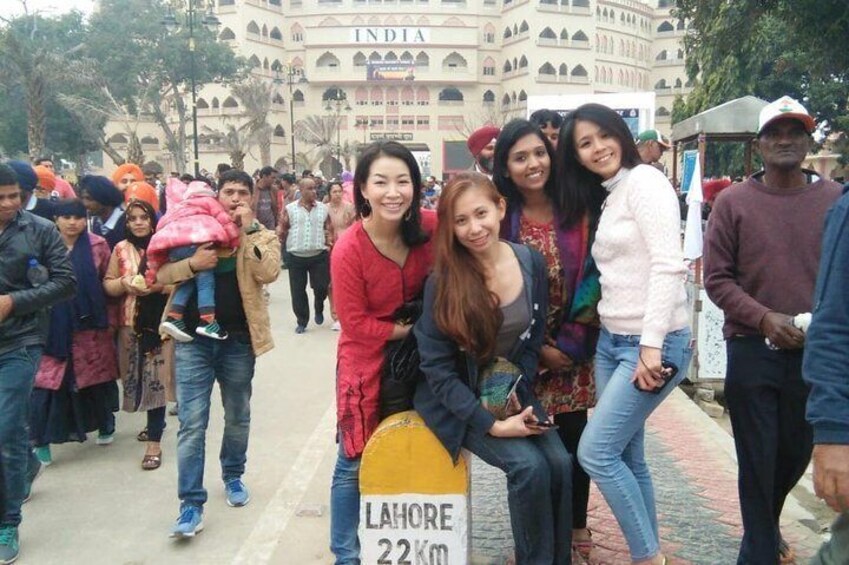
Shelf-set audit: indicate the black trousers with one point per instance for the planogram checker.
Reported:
(570, 427)
(317, 269)
(766, 398)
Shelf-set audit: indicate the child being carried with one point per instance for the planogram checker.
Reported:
(196, 220)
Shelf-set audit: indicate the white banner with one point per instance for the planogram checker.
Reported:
(389, 35)
(414, 529)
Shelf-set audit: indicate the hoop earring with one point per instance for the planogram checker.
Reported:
(409, 214)
(366, 209)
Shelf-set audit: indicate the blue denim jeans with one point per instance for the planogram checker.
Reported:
(612, 449)
(199, 364)
(834, 551)
(17, 373)
(539, 493)
(204, 282)
(345, 510)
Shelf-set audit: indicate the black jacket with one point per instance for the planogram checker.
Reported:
(447, 399)
(26, 237)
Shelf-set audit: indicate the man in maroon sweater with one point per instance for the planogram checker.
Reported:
(762, 250)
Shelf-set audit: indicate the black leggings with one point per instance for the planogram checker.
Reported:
(570, 427)
(155, 423)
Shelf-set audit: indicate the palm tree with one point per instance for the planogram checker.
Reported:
(234, 140)
(320, 132)
(255, 97)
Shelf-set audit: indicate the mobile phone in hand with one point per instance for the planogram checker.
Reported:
(547, 424)
(667, 372)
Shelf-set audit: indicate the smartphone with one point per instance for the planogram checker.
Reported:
(512, 391)
(667, 371)
(547, 424)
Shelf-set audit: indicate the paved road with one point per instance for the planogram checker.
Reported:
(95, 505)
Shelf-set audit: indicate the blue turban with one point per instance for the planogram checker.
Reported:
(27, 179)
(69, 207)
(101, 190)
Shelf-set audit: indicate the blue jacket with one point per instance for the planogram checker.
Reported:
(826, 364)
(447, 398)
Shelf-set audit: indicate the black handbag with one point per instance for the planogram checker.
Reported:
(400, 373)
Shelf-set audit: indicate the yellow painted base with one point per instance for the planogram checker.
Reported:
(403, 456)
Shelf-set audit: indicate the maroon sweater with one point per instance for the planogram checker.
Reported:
(762, 250)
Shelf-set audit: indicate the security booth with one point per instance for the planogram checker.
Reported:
(735, 121)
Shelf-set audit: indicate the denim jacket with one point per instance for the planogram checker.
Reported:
(447, 398)
(826, 364)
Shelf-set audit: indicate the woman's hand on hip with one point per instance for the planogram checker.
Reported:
(648, 374)
(517, 426)
(551, 358)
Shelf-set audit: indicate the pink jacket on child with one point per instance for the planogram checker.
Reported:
(199, 218)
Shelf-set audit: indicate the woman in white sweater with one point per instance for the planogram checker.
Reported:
(645, 344)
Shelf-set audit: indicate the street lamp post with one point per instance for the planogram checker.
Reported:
(336, 104)
(209, 21)
(290, 72)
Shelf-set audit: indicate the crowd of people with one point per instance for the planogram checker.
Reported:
(545, 282)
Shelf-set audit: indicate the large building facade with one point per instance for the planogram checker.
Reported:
(428, 72)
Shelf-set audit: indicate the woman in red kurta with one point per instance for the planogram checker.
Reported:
(380, 263)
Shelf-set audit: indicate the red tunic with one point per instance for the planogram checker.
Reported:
(367, 289)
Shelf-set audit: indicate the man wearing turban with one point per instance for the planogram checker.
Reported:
(481, 144)
(127, 174)
(103, 202)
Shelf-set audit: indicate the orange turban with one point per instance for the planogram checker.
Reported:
(131, 168)
(46, 178)
(142, 191)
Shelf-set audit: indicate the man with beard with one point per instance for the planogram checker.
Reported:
(762, 250)
(481, 144)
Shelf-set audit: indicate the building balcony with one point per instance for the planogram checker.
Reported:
(555, 8)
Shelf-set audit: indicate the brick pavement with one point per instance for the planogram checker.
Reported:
(695, 480)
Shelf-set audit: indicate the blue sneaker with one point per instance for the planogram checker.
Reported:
(189, 523)
(237, 492)
(35, 467)
(9, 545)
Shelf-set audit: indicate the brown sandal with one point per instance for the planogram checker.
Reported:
(584, 548)
(152, 462)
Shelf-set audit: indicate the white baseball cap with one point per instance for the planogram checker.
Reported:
(782, 109)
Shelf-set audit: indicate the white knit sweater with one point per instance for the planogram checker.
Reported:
(638, 253)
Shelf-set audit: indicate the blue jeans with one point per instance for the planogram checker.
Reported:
(17, 374)
(539, 493)
(199, 364)
(834, 551)
(345, 510)
(612, 449)
(204, 282)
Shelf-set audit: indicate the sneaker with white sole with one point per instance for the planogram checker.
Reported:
(189, 523)
(211, 330)
(336, 327)
(176, 329)
(43, 454)
(237, 493)
(104, 439)
(9, 545)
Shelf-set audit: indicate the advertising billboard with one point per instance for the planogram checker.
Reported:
(390, 71)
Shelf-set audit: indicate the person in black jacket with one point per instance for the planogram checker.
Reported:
(485, 306)
(34, 274)
(27, 181)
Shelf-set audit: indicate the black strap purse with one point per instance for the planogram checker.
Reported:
(400, 373)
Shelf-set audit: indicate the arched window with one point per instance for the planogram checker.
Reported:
(278, 99)
(334, 93)
(327, 61)
(375, 57)
(391, 56)
(489, 33)
(359, 59)
(515, 29)
(202, 104)
(505, 100)
(264, 30)
(422, 96)
(422, 59)
(523, 62)
(547, 33)
(408, 97)
(451, 94)
(523, 96)
(580, 36)
(507, 67)
(662, 111)
(298, 96)
(215, 103)
(660, 84)
(254, 62)
(230, 102)
(276, 65)
(454, 61)
(661, 56)
(406, 56)
(680, 25)
(253, 28)
(524, 27)
(678, 83)
(488, 97)
(275, 34)
(376, 96)
(297, 33)
(564, 35)
(227, 34)
(547, 69)
(361, 96)
(118, 138)
(507, 33)
(279, 131)
(665, 26)
(680, 53)
(265, 64)
(489, 67)
(563, 70)
(579, 71)
(391, 96)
